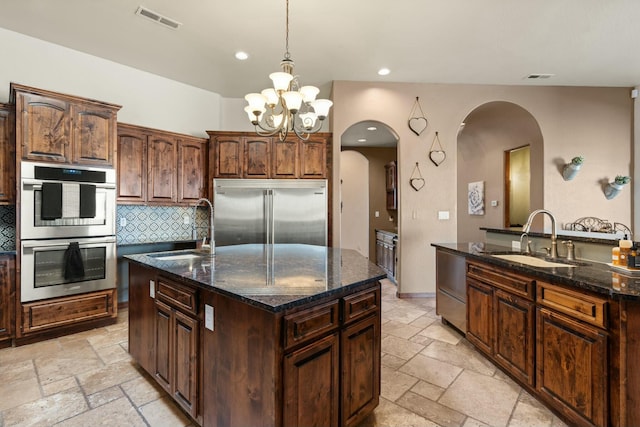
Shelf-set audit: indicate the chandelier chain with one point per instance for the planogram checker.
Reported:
(287, 55)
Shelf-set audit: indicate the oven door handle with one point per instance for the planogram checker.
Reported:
(39, 244)
(36, 184)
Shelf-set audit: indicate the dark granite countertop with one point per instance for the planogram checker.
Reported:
(273, 277)
(598, 238)
(8, 253)
(588, 275)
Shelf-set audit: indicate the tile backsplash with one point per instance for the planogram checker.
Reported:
(152, 224)
(7, 228)
(144, 224)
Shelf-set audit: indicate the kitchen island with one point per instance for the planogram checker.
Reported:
(269, 335)
(567, 331)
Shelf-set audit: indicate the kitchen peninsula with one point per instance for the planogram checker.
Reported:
(567, 331)
(270, 335)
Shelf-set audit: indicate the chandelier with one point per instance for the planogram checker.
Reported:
(287, 107)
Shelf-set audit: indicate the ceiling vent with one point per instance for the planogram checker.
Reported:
(539, 76)
(157, 18)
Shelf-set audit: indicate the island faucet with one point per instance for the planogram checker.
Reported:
(554, 239)
(212, 242)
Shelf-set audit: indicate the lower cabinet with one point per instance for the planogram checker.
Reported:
(7, 299)
(176, 343)
(556, 346)
(177, 355)
(227, 362)
(311, 384)
(360, 347)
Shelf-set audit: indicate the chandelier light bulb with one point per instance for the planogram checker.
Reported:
(256, 101)
(321, 107)
(271, 96)
(293, 100)
(309, 93)
(281, 80)
(308, 120)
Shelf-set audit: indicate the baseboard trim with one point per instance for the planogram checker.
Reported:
(416, 295)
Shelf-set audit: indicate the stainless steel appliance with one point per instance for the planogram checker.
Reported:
(44, 267)
(71, 222)
(451, 295)
(270, 211)
(67, 230)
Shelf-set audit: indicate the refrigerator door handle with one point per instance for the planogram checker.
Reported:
(272, 220)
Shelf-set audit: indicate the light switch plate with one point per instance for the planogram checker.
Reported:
(443, 215)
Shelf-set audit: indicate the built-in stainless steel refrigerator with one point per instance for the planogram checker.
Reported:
(270, 211)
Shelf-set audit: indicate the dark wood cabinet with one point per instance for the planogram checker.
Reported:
(313, 158)
(311, 384)
(162, 155)
(360, 360)
(132, 165)
(55, 127)
(480, 315)
(243, 155)
(7, 154)
(176, 343)
(572, 368)
(285, 158)
(501, 318)
(391, 179)
(514, 346)
(159, 167)
(227, 362)
(7, 299)
(556, 345)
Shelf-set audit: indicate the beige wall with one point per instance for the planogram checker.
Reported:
(354, 179)
(388, 220)
(593, 122)
(489, 131)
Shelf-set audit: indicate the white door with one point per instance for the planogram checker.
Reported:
(354, 197)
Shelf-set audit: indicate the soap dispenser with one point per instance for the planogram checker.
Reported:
(625, 250)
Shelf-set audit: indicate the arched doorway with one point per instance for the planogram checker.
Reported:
(487, 137)
(377, 143)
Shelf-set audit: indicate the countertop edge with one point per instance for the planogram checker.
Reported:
(592, 277)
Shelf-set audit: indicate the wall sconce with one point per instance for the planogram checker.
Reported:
(570, 170)
(612, 189)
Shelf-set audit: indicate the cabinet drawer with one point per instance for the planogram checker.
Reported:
(588, 308)
(310, 323)
(520, 285)
(178, 296)
(40, 315)
(360, 304)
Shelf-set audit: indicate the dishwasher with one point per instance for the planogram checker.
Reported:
(451, 289)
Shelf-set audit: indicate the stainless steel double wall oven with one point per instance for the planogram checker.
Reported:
(67, 230)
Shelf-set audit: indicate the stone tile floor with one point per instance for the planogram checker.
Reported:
(431, 376)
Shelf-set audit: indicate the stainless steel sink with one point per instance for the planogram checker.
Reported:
(531, 260)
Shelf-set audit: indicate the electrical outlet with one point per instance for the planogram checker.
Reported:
(376, 214)
(208, 317)
(123, 222)
(515, 245)
(186, 220)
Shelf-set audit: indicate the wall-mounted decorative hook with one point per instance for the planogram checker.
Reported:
(417, 124)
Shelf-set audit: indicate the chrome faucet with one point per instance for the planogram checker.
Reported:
(212, 243)
(554, 239)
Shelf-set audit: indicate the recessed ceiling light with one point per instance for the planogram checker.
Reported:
(242, 55)
(372, 128)
(383, 71)
(362, 140)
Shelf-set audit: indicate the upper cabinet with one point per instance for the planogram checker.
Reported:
(7, 154)
(245, 155)
(158, 167)
(391, 185)
(54, 127)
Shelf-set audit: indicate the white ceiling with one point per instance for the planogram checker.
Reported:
(581, 42)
